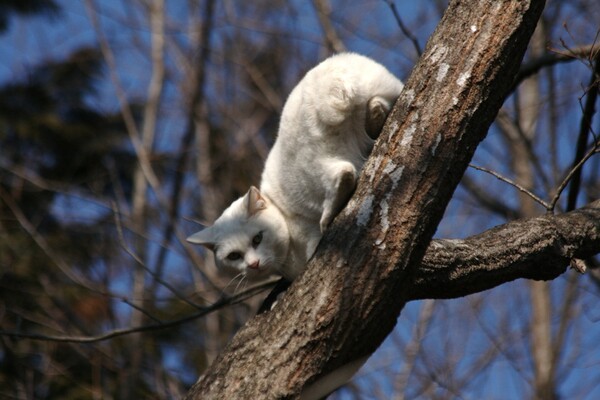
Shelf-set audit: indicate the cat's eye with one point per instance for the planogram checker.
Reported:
(234, 255)
(257, 239)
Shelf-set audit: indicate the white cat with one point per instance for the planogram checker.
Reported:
(327, 129)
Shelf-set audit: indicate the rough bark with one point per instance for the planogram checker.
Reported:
(539, 248)
(364, 270)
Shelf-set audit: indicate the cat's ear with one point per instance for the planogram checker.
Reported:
(204, 237)
(254, 201)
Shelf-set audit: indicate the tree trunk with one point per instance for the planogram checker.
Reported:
(364, 270)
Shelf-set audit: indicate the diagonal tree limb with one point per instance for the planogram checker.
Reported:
(359, 280)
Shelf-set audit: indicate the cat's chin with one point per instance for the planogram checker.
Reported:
(259, 274)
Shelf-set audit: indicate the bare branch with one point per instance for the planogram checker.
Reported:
(404, 29)
(584, 133)
(141, 264)
(126, 112)
(539, 248)
(594, 150)
(333, 40)
(41, 242)
(514, 184)
(224, 301)
(534, 66)
(196, 101)
(488, 200)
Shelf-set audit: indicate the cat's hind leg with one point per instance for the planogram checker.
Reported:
(378, 108)
(340, 182)
(335, 100)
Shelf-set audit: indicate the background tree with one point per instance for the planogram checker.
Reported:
(55, 144)
(122, 121)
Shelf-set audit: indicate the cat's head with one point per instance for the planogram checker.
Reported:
(251, 236)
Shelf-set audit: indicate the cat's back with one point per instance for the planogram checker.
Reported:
(323, 119)
(333, 93)
(351, 77)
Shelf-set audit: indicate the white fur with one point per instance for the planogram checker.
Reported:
(312, 168)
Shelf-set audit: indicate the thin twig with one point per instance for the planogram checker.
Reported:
(126, 111)
(140, 309)
(555, 57)
(488, 200)
(584, 133)
(404, 29)
(510, 182)
(224, 301)
(140, 262)
(594, 150)
(51, 185)
(512, 129)
(41, 242)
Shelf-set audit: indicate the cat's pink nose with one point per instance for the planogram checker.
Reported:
(254, 265)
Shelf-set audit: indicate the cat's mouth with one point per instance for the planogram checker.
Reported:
(255, 270)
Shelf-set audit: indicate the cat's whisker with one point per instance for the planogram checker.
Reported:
(275, 261)
(244, 276)
(241, 276)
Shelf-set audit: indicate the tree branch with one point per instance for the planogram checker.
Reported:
(332, 39)
(534, 66)
(202, 311)
(585, 129)
(539, 248)
(404, 29)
